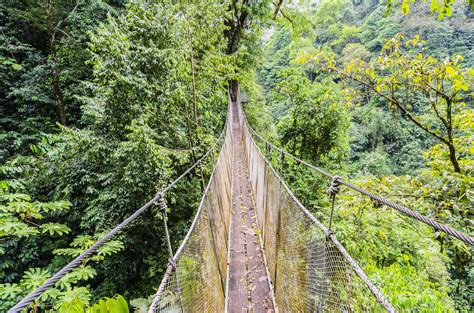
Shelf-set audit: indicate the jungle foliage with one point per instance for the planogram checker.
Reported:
(104, 102)
(386, 101)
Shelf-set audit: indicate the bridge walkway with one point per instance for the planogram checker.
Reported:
(248, 287)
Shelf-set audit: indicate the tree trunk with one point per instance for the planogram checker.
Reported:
(58, 93)
(453, 159)
(193, 72)
(449, 128)
(235, 24)
(295, 120)
(234, 90)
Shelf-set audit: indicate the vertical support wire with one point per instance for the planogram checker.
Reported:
(162, 205)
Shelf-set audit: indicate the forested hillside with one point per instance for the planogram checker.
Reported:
(104, 102)
(348, 92)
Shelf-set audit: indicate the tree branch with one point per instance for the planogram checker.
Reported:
(396, 102)
(287, 18)
(278, 6)
(432, 103)
(67, 16)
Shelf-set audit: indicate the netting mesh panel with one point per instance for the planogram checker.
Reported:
(170, 300)
(260, 192)
(272, 212)
(311, 273)
(197, 283)
(197, 271)
(253, 168)
(308, 271)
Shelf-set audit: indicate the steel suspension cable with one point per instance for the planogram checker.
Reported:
(424, 219)
(78, 260)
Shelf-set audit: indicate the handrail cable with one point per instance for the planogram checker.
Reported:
(424, 219)
(77, 261)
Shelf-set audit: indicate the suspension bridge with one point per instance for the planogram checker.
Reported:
(252, 246)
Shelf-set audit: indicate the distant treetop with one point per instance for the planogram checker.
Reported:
(442, 7)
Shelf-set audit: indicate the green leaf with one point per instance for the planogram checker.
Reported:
(78, 274)
(117, 304)
(449, 11)
(106, 305)
(434, 6)
(17, 67)
(72, 252)
(76, 298)
(450, 71)
(10, 291)
(110, 247)
(55, 228)
(83, 241)
(14, 197)
(34, 277)
(84, 272)
(13, 227)
(103, 306)
(122, 304)
(405, 8)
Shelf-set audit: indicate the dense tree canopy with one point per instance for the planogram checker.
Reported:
(104, 102)
(404, 81)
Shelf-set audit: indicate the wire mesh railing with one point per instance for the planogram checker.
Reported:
(309, 268)
(195, 278)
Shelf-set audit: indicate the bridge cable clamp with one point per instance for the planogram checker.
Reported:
(335, 186)
(160, 202)
(333, 191)
(172, 263)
